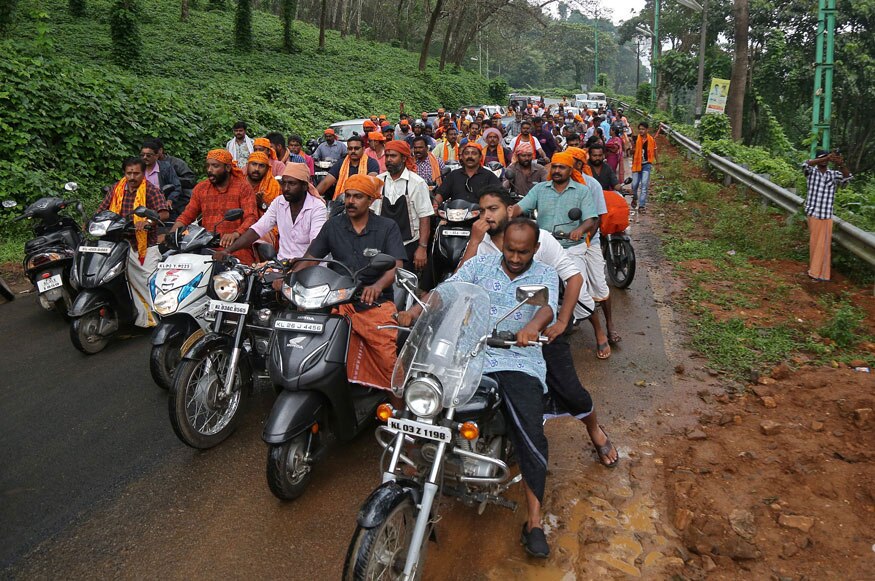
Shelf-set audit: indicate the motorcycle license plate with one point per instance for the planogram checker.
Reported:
(456, 233)
(302, 326)
(236, 308)
(49, 283)
(420, 430)
(96, 249)
(171, 266)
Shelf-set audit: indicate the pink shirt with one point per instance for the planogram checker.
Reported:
(295, 236)
(152, 176)
(381, 159)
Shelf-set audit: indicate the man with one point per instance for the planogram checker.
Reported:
(524, 172)
(473, 133)
(515, 127)
(605, 126)
(263, 145)
(553, 200)
(354, 162)
(494, 151)
(224, 189)
(600, 170)
(331, 149)
(822, 184)
(241, 145)
(278, 143)
(161, 175)
(388, 131)
(403, 131)
(407, 201)
(545, 137)
(296, 150)
(187, 178)
(350, 238)
(466, 182)
(563, 383)
(262, 182)
(298, 215)
(423, 117)
(573, 140)
(428, 167)
(128, 194)
(419, 131)
(448, 149)
(376, 148)
(643, 161)
(520, 371)
(439, 119)
(525, 136)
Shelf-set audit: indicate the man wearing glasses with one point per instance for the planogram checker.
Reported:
(465, 183)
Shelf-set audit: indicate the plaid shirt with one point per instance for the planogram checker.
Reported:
(154, 201)
(822, 190)
(423, 168)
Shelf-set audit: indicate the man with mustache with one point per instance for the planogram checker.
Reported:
(466, 182)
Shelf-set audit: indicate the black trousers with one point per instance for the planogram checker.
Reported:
(565, 394)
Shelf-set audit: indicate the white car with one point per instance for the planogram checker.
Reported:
(346, 129)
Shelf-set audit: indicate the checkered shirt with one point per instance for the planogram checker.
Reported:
(821, 191)
(154, 201)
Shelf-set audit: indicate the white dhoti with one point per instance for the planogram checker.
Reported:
(138, 280)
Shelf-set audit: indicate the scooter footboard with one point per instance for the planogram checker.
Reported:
(292, 413)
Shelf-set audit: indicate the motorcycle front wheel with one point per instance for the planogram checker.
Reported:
(620, 269)
(163, 361)
(84, 331)
(200, 415)
(287, 473)
(381, 552)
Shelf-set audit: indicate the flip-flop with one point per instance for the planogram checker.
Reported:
(614, 338)
(600, 348)
(604, 450)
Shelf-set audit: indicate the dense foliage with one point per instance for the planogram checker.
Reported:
(124, 26)
(243, 26)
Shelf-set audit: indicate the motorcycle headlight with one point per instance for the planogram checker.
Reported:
(456, 214)
(309, 298)
(98, 228)
(423, 397)
(166, 303)
(338, 296)
(228, 285)
(114, 272)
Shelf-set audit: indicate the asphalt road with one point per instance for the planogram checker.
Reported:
(95, 484)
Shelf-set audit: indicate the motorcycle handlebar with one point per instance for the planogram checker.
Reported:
(503, 343)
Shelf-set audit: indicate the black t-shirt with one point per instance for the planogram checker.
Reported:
(373, 167)
(607, 178)
(345, 245)
(457, 185)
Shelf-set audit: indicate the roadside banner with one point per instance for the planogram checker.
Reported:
(717, 96)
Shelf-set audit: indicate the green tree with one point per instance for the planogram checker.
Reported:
(76, 7)
(243, 26)
(603, 80)
(289, 8)
(124, 27)
(220, 5)
(7, 15)
(642, 95)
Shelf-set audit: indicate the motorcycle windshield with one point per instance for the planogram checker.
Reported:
(442, 340)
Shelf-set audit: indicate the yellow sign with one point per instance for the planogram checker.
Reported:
(717, 96)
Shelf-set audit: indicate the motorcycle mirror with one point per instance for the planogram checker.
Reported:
(574, 214)
(9, 203)
(627, 181)
(266, 251)
(166, 188)
(533, 294)
(509, 174)
(144, 212)
(71, 186)
(405, 278)
(233, 215)
(382, 262)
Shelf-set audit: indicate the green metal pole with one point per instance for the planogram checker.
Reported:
(818, 78)
(596, 52)
(654, 53)
(830, 61)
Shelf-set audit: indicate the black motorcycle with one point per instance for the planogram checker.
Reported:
(619, 253)
(218, 369)
(48, 256)
(451, 236)
(307, 362)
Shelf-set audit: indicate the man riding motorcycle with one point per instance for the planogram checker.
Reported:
(465, 182)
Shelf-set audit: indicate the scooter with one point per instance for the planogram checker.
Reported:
(178, 293)
(49, 254)
(307, 361)
(451, 236)
(618, 250)
(104, 302)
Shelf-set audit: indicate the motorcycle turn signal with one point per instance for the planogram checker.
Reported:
(384, 412)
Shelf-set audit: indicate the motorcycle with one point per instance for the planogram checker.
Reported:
(49, 254)
(619, 253)
(218, 369)
(451, 437)
(321, 168)
(451, 236)
(307, 362)
(178, 293)
(104, 302)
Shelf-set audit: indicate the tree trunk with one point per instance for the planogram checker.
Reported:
(184, 11)
(323, 13)
(448, 38)
(737, 86)
(426, 42)
(358, 20)
(344, 18)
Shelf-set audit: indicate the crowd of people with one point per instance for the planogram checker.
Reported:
(392, 178)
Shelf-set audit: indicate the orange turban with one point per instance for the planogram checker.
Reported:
(404, 149)
(265, 142)
(224, 156)
(563, 158)
(368, 185)
(369, 125)
(301, 172)
(376, 136)
(475, 145)
(577, 153)
(260, 157)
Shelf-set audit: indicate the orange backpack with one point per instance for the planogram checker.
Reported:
(617, 218)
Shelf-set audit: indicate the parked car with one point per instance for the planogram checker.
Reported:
(599, 98)
(346, 129)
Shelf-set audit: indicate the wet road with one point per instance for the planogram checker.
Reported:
(95, 484)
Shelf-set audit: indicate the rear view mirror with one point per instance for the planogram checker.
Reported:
(233, 215)
(574, 214)
(144, 212)
(71, 186)
(534, 294)
(166, 188)
(405, 278)
(382, 262)
(9, 203)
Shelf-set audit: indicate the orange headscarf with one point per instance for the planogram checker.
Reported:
(368, 185)
(568, 158)
(582, 156)
(265, 142)
(404, 149)
(343, 176)
(376, 136)
(224, 156)
(269, 188)
(301, 172)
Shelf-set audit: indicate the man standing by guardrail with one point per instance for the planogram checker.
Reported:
(822, 184)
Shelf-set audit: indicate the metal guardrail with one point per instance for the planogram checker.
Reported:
(857, 240)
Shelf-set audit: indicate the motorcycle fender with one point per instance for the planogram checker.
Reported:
(292, 413)
(383, 499)
(88, 300)
(173, 326)
(207, 343)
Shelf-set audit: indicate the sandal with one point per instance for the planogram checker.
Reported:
(603, 350)
(614, 338)
(604, 450)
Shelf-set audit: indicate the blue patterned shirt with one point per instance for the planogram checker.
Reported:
(553, 206)
(485, 271)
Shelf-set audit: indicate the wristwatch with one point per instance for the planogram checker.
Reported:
(421, 245)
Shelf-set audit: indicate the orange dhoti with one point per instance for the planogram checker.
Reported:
(819, 248)
(372, 352)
